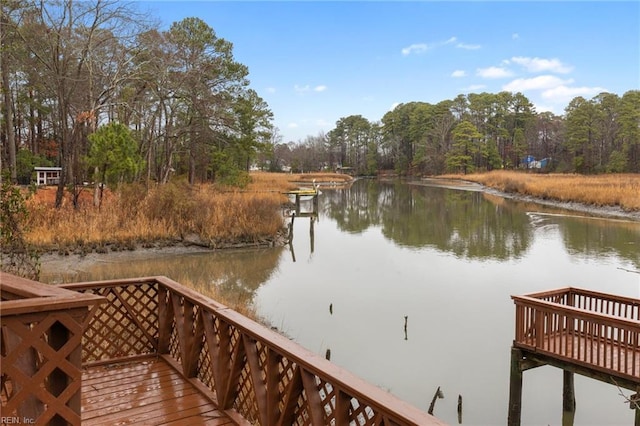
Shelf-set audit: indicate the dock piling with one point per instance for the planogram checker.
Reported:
(568, 399)
(515, 389)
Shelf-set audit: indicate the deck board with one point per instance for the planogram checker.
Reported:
(148, 392)
(607, 355)
(598, 354)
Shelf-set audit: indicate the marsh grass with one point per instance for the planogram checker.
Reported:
(616, 190)
(132, 216)
(286, 181)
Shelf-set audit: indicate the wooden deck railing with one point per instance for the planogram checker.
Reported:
(256, 375)
(591, 329)
(40, 351)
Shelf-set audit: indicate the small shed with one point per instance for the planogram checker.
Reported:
(47, 175)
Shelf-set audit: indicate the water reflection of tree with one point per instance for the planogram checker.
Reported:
(597, 238)
(470, 224)
(234, 274)
(352, 209)
(459, 222)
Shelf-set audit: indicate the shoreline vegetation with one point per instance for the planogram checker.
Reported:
(216, 217)
(177, 213)
(601, 195)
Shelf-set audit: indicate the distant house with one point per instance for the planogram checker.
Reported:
(47, 175)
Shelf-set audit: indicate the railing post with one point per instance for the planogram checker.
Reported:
(539, 327)
(515, 388)
(165, 313)
(31, 407)
(42, 330)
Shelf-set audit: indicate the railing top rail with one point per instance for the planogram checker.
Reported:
(577, 312)
(22, 288)
(549, 293)
(605, 296)
(584, 292)
(22, 296)
(310, 361)
(191, 295)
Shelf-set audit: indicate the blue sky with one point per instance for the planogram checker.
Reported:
(314, 62)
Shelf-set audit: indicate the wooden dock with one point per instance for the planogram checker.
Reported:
(593, 334)
(151, 351)
(298, 194)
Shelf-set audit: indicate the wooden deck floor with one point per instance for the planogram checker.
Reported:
(603, 354)
(148, 392)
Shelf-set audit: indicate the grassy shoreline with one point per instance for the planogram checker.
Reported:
(204, 215)
(621, 191)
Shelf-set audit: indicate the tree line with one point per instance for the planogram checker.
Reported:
(477, 132)
(95, 88)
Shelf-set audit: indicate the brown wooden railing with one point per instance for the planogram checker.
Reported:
(40, 351)
(592, 329)
(255, 374)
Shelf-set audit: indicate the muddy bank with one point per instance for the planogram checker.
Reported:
(67, 264)
(591, 210)
(600, 211)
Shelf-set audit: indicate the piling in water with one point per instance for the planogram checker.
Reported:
(437, 395)
(406, 318)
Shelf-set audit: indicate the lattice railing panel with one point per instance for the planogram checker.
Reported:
(126, 325)
(174, 343)
(205, 373)
(40, 380)
(301, 412)
(246, 402)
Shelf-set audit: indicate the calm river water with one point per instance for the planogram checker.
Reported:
(445, 259)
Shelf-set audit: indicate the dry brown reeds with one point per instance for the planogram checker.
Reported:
(261, 181)
(617, 190)
(170, 212)
(211, 215)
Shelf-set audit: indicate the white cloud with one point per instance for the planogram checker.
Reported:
(270, 90)
(394, 105)
(468, 46)
(415, 48)
(292, 125)
(542, 64)
(564, 94)
(494, 72)
(515, 36)
(321, 122)
(320, 88)
(536, 83)
(418, 48)
(458, 73)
